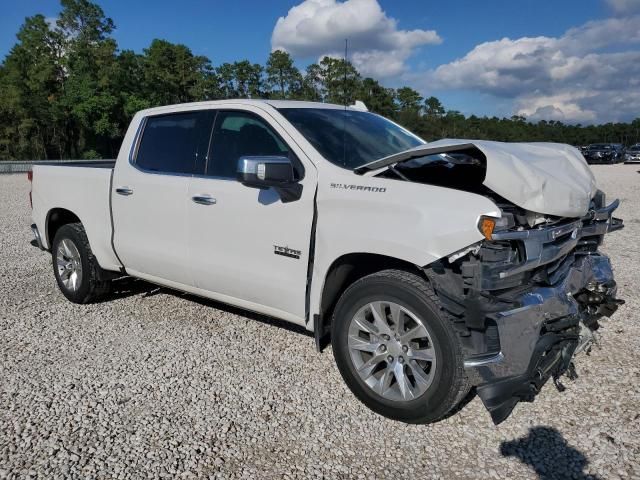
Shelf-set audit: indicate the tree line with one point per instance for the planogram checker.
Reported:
(67, 91)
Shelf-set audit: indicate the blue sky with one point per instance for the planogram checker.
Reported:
(443, 32)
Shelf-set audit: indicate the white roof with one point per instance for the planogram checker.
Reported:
(244, 101)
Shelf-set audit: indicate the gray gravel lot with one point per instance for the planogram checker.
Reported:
(156, 384)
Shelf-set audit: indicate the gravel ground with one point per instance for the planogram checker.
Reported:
(156, 384)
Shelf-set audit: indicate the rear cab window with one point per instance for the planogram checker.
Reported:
(175, 143)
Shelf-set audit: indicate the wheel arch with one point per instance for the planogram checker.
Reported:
(56, 218)
(344, 271)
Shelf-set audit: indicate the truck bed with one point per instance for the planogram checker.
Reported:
(82, 188)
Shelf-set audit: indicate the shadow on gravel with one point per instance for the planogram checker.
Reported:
(546, 451)
(128, 287)
(292, 327)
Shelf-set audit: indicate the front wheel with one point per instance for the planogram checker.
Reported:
(397, 349)
(76, 269)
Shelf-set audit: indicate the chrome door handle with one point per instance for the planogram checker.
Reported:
(126, 191)
(204, 200)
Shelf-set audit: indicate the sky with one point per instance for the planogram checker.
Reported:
(577, 61)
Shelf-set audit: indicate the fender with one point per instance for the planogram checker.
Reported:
(413, 223)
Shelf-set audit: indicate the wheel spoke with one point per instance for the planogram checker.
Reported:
(419, 331)
(422, 379)
(402, 381)
(426, 354)
(385, 382)
(364, 325)
(367, 368)
(397, 316)
(362, 345)
(379, 318)
(67, 251)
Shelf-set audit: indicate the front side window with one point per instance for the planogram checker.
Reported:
(237, 134)
(174, 143)
(349, 138)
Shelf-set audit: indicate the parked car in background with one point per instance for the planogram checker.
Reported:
(603, 153)
(432, 268)
(632, 155)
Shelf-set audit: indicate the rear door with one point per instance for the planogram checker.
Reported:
(246, 246)
(150, 195)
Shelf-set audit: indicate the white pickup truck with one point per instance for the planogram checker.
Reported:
(431, 268)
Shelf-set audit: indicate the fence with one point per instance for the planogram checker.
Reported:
(25, 165)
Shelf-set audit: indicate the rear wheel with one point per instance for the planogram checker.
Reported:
(77, 272)
(397, 349)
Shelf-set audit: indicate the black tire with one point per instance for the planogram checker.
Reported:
(450, 384)
(93, 286)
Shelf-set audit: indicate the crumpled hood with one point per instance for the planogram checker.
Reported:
(548, 178)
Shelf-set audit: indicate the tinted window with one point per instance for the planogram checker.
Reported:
(238, 134)
(350, 138)
(175, 143)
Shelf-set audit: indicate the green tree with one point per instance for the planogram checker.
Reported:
(30, 90)
(377, 98)
(340, 81)
(241, 80)
(433, 108)
(173, 74)
(312, 84)
(90, 97)
(248, 79)
(283, 77)
(408, 100)
(67, 91)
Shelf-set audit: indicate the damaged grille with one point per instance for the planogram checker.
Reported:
(541, 254)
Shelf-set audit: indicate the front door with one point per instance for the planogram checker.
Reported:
(246, 246)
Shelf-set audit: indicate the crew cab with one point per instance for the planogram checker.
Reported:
(431, 268)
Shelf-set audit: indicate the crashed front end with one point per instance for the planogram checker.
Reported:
(528, 299)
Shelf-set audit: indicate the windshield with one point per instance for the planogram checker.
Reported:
(600, 146)
(350, 138)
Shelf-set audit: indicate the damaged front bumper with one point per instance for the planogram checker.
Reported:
(540, 335)
(530, 299)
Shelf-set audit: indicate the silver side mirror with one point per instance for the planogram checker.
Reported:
(265, 171)
(270, 171)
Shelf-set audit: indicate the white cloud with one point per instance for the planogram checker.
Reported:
(315, 28)
(589, 74)
(624, 6)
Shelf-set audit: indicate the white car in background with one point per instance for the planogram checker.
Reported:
(632, 154)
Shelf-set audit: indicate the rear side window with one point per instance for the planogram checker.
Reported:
(237, 134)
(175, 143)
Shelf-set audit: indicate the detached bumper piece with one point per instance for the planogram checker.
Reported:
(530, 299)
(540, 336)
(575, 288)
